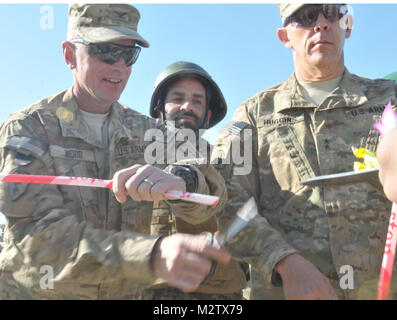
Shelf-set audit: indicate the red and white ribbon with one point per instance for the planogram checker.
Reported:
(386, 270)
(99, 183)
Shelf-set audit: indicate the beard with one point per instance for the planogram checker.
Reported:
(182, 123)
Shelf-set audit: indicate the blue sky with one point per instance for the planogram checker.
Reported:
(235, 43)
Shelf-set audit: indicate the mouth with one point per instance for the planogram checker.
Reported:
(321, 42)
(184, 116)
(188, 118)
(113, 80)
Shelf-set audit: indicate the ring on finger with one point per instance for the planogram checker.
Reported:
(148, 181)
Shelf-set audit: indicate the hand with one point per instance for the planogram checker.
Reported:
(388, 164)
(145, 182)
(184, 260)
(303, 281)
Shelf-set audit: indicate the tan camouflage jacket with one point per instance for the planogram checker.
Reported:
(227, 279)
(293, 140)
(93, 246)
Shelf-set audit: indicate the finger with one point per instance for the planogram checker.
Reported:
(189, 276)
(199, 244)
(219, 254)
(185, 284)
(149, 189)
(134, 182)
(119, 180)
(156, 191)
(161, 187)
(155, 194)
(193, 262)
(188, 284)
(132, 188)
(144, 189)
(188, 280)
(180, 259)
(161, 183)
(166, 183)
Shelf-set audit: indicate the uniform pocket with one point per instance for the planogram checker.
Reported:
(79, 163)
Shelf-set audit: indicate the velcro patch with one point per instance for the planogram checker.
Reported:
(363, 111)
(278, 121)
(70, 153)
(235, 127)
(21, 159)
(24, 145)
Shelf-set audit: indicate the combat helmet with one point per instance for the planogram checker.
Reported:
(216, 102)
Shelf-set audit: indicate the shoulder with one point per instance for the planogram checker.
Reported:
(133, 118)
(47, 104)
(29, 119)
(371, 82)
(374, 87)
(266, 95)
(262, 102)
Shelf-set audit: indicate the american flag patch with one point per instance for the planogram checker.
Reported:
(235, 127)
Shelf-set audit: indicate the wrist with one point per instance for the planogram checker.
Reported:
(189, 176)
(155, 254)
(282, 268)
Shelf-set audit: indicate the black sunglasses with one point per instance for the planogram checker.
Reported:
(110, 53)
(308, 15)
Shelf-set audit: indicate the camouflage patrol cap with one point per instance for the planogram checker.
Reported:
(288, 9)
(105, 22)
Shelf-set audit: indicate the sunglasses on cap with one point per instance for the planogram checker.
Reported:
(110, 53)
(308, 15)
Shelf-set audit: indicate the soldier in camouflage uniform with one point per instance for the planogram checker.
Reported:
(388, 164)
(1, 236)
(321, 242)
(185, 93)
(387, 161)
(85, 243)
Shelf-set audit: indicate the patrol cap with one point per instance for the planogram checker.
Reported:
(180, 69)
(105, 22)
(288, 9)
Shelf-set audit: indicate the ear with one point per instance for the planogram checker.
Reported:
(282, 34)
(69, 54)
(209, 114)
(157, 114)
(349, 25)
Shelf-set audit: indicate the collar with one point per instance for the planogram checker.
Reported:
(72, 123)
(347, 94)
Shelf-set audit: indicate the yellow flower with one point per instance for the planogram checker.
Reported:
(359, 153)
(369, 157)
(358, 166)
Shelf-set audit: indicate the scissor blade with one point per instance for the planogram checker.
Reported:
(368, 175)
(243, 216)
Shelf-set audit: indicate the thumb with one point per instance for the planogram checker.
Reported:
(201, 245)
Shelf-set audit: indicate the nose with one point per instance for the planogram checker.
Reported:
(322, 24)
(120, 64)
(187, 106)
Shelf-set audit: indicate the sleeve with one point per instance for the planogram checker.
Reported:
(210, 182)
(235, 155)
(185, 153)
(43, 227)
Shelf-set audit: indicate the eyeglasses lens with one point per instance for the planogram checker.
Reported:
(110, 53)
(308, 15)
